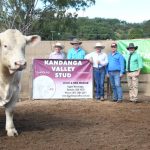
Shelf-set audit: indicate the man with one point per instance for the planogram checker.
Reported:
(99, 61)
(133, 67)
(76, 52)
(57, 54)
(115, 70)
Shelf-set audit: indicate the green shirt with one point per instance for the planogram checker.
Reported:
(135, 62)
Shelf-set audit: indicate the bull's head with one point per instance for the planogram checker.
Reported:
(12, 49)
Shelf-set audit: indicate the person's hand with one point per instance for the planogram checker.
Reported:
(137, 73)
(128, 74)
(91, 60)
(98, 62)
(121, 75)
(107, 75)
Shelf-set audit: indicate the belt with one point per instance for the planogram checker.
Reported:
(132, 71)
(98, 68)
(114, 71)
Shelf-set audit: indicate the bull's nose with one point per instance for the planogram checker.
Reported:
(20, 63)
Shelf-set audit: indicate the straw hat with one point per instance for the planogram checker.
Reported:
(99, 45)
(59, 45)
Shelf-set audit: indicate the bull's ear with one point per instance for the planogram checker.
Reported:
(0, 42)
(0, 46)
(33, 39)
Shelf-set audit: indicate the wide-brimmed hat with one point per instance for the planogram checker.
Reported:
(99, 45)
(59, 45)
(131, 45)
(75, 41)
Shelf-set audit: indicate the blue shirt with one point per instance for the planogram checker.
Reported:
(116, 62)
(76, 54)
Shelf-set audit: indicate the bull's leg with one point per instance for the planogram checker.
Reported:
(5, 95)
(10, 128)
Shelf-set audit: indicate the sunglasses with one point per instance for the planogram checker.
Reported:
(75, 44)
(113, 46)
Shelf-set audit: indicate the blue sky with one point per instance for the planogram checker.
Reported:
(132, 11)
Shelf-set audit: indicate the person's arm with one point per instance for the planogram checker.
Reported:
(104, 62)
(125, 63)
(122, 65)
(89, 57)
(84, 54)
(64, 56)
(50, 56)
(107, 73)
(140, 65)
(69, 55)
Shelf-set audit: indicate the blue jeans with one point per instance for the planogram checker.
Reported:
(115, 82)
(99, 78)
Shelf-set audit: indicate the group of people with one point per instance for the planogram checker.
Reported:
(76, 52)
(114, 66)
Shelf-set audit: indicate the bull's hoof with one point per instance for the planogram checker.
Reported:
(12, 132)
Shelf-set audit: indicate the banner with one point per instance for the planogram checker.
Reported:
(62, 79)
(143, 50)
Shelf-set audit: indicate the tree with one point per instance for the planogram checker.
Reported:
(146, 29)
(17, 14)
(23, 14)
(135, 33)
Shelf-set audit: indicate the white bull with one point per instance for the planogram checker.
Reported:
(12, 62)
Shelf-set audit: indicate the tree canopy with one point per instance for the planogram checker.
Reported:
(23, 14)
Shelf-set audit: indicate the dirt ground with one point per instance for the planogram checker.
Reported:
(79, 125)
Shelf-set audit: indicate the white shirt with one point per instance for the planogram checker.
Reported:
(101, 57)
(55, 55)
